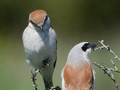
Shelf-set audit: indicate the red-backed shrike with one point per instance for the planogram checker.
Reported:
(39, 40)
(78, 73)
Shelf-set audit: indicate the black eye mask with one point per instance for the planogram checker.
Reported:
(87, 46)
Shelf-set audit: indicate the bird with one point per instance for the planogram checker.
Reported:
(40, 45)
(78, 73)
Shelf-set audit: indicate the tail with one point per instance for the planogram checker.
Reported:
(48, 85)
(47, 74)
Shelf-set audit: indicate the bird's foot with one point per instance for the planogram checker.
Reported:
(46, 63)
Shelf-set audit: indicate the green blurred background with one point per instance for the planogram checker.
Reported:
(74, 21)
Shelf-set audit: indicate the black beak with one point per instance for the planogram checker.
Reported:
(41, 26)
(93, 46)
(88, 45)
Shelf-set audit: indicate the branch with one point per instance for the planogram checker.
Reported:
(108, 48)
(108, 72)
(33, 78)
(116, 69)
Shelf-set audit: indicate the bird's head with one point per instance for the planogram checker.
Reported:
(39, 19)
(86, 48)
(81, 51)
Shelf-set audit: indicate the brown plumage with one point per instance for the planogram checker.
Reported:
(78, 78)
(78, 73)
(37, 16)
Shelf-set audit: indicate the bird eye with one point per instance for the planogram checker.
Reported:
(33, 23)
(45, 20)
(86, 46)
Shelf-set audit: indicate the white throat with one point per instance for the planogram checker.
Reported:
(45, 26)
(30, 25)
(78, 57)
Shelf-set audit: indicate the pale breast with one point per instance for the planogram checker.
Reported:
(37, 46)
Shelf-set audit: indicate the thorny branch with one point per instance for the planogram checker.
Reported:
(108, 48)
(33, 78)
(116, 69)
(107, 70)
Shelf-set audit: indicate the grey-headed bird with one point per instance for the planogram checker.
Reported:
(78, 73)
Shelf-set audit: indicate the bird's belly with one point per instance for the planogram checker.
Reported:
(37, 51)
(38, 47)
(36, 56)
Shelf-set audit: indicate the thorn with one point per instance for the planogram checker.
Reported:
(108, 48)
(34, 85)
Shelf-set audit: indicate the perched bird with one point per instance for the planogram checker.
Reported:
(78, 73)
(40, 45)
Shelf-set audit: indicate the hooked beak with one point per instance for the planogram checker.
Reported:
(41, 27)
(93, 46)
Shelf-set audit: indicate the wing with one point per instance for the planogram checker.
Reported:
(56, 55)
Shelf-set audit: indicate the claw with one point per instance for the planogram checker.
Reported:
(46, 62)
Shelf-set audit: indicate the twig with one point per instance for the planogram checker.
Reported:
(116, 69)
(108, 72)
(33, 78)
(108, 48)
